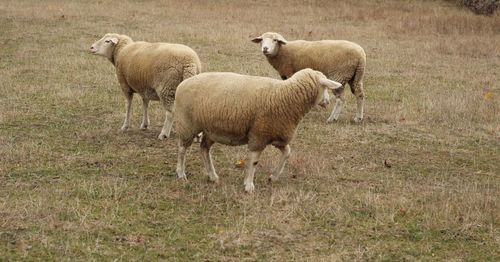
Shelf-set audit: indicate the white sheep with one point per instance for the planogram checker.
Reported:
(153, 70)
(339, 60)
(241, 109)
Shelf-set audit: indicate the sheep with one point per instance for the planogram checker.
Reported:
(339, 60)
(241, 109)
(153, 70)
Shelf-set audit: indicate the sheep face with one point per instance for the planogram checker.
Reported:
(104, 46)
(270, 43)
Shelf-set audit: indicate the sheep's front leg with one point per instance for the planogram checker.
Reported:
(145, 116)
(167, 126)
(253, 160)
(181, 161)
(339, 104)
(285, 154)
(128, 106)
(198, 137)
(205, 146)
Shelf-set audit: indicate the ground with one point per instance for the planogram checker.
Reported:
(417, 180)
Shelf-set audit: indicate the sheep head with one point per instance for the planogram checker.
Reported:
(322, 83)
(270, 43)
(105, 46)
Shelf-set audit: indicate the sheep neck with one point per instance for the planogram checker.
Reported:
(293, 99)
(123, 41)
(281, 62)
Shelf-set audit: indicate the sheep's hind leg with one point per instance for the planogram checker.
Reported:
(359, 113)
(145, 116)
(339, 104)
(253, 160)
(360, 102)
(285, 154)
(167, 126)
(128, 106)
(165, 89)
(205, 146)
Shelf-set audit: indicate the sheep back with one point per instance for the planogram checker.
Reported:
(158, 66)
(337, 59)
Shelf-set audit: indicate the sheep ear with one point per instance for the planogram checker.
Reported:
(330, 83)
(281, 40)
(257, 39)
(114, 40)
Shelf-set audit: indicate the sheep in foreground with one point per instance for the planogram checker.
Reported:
(241, 109)
(153, 70)
(339, 60)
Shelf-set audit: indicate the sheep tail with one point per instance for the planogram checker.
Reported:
(357, 81)
(360, 71)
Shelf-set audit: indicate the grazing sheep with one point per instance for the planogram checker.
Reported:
(240, 110)
(153, 70)
(339, 60)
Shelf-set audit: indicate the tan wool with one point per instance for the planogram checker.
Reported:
(339, 60)
(153, 70)
(235, 109)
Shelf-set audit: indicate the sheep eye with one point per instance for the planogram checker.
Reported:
(107, 41)
(275, 40)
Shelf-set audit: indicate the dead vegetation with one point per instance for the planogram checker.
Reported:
(418, 180)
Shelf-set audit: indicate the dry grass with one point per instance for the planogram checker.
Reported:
(74, 188)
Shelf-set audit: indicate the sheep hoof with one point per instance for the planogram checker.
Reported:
(272, 178)
(331, 120)
(358, 120)
(124, 128)
(162, 136)
(182, 176)
(214, 180)
(249, 188)
(144, 127)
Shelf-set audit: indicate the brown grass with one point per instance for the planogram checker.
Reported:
(418, 180)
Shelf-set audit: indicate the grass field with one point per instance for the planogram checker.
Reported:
(417, 180)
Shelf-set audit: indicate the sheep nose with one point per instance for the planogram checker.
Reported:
(264, 49)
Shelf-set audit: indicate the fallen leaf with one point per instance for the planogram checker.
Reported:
(240, 163)
(488, 95)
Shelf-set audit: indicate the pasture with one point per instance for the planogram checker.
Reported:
(417, 180)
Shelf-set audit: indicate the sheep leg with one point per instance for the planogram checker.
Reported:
(339, 104)
(360, 101)
(205, 146)
(128, 106)
(253, 160)
(181, 161)
(167, 126)
(285, 154)
(198, 137)
(359, 112)
(145, 116)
